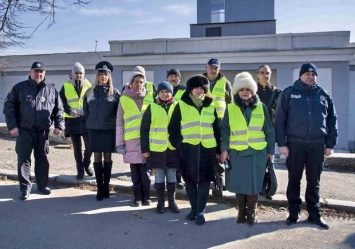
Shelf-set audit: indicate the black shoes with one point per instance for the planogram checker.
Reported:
(290, 220)
(89, 171)
(24, 195)
(80, 176)
(318, 221)
(45, 190)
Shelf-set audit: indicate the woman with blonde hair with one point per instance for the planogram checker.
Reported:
(100, 106)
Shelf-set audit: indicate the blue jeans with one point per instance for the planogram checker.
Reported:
(169, 173)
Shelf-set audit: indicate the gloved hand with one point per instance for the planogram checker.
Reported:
(121, 149)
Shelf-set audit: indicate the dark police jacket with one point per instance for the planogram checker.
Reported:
(306, 114)
(33, 106)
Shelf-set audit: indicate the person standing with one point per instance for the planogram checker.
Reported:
(248, 141)
(30, 109)
(268, 93)
(133, 103)
(148, 85)
(194, 130)
(173, 77)
(221, 90)
(72, 94)
(306, 131)
(159, 153)
(100, 108)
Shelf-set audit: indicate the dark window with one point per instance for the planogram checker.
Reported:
(210, 32)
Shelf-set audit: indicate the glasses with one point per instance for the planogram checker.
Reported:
(245, 89)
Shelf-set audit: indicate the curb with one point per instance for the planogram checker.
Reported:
(278, 200)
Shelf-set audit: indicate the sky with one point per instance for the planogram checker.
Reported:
(89, 28)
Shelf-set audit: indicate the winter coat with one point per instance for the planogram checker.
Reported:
(165, 159)
(269, 95)
(197, 161)
(247, 168)
(133, 146)
(306, 114)
(101, 109)
(33, 106)
(75, 126)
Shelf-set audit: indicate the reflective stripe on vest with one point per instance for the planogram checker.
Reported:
(150, 92)
(178, 95)
(197, 128)
(219, 96)
(132, 117)
(74, 101)
(243, 136)
(158, 133)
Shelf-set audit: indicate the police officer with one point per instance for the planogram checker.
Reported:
(30, 109)
(306, 131)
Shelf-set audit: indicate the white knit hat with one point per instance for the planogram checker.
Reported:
(77, 68)
(139, 69)
(244, 80)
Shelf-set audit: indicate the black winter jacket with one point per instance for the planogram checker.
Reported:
(198, 162)
(101, 109)
(306, 114)
(33, 106)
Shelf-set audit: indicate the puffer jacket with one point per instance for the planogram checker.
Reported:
(306, 114)
(198, 161)
(33, 106)
(101, 109)
(133, 147)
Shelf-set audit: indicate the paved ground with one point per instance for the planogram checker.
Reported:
(72, 218)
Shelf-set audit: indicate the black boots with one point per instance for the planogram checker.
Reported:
(160, 188)
(192, 195)
(80, 170)
(293, 216)
(251, 204)
(99, 180)
(202, 196)
(241, 204)
(107, 177)
(171, 197)
(318, 221)
(87, 168)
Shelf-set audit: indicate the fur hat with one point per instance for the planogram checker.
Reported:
(165, 85)
(77, 68)
(198, 81)
(175, 72)
(244, 80)
(308, 67)
(104, 66)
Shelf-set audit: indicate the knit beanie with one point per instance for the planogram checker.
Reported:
(175, 72)
(134, 74)
(198, 80)
(77, 68)
(244, 80)
(139, 69)
(308, 67)
(165, 85)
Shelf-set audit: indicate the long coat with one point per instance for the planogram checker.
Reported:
(165, 159)
(133, 147)
(198, 161)
(247, 167)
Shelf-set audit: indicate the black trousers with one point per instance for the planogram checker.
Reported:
(77, 146)
(308, 156)
(140, 176)
(39, 143)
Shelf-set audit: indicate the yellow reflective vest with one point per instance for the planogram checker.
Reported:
(132, 117)
(178, 95)
(219, 96)
(74, 101)
(158, 132)
(150, 92)
(241, 135)
(197, 128)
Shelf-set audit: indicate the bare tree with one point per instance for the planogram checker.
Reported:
(12, 29)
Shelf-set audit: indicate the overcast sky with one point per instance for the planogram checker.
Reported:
(77, 29)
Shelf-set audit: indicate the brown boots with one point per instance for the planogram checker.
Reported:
(247, 208)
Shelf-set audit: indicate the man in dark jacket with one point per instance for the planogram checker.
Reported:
(30, 109)
(306, 131)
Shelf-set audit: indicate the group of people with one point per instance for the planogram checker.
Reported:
(176, 130)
